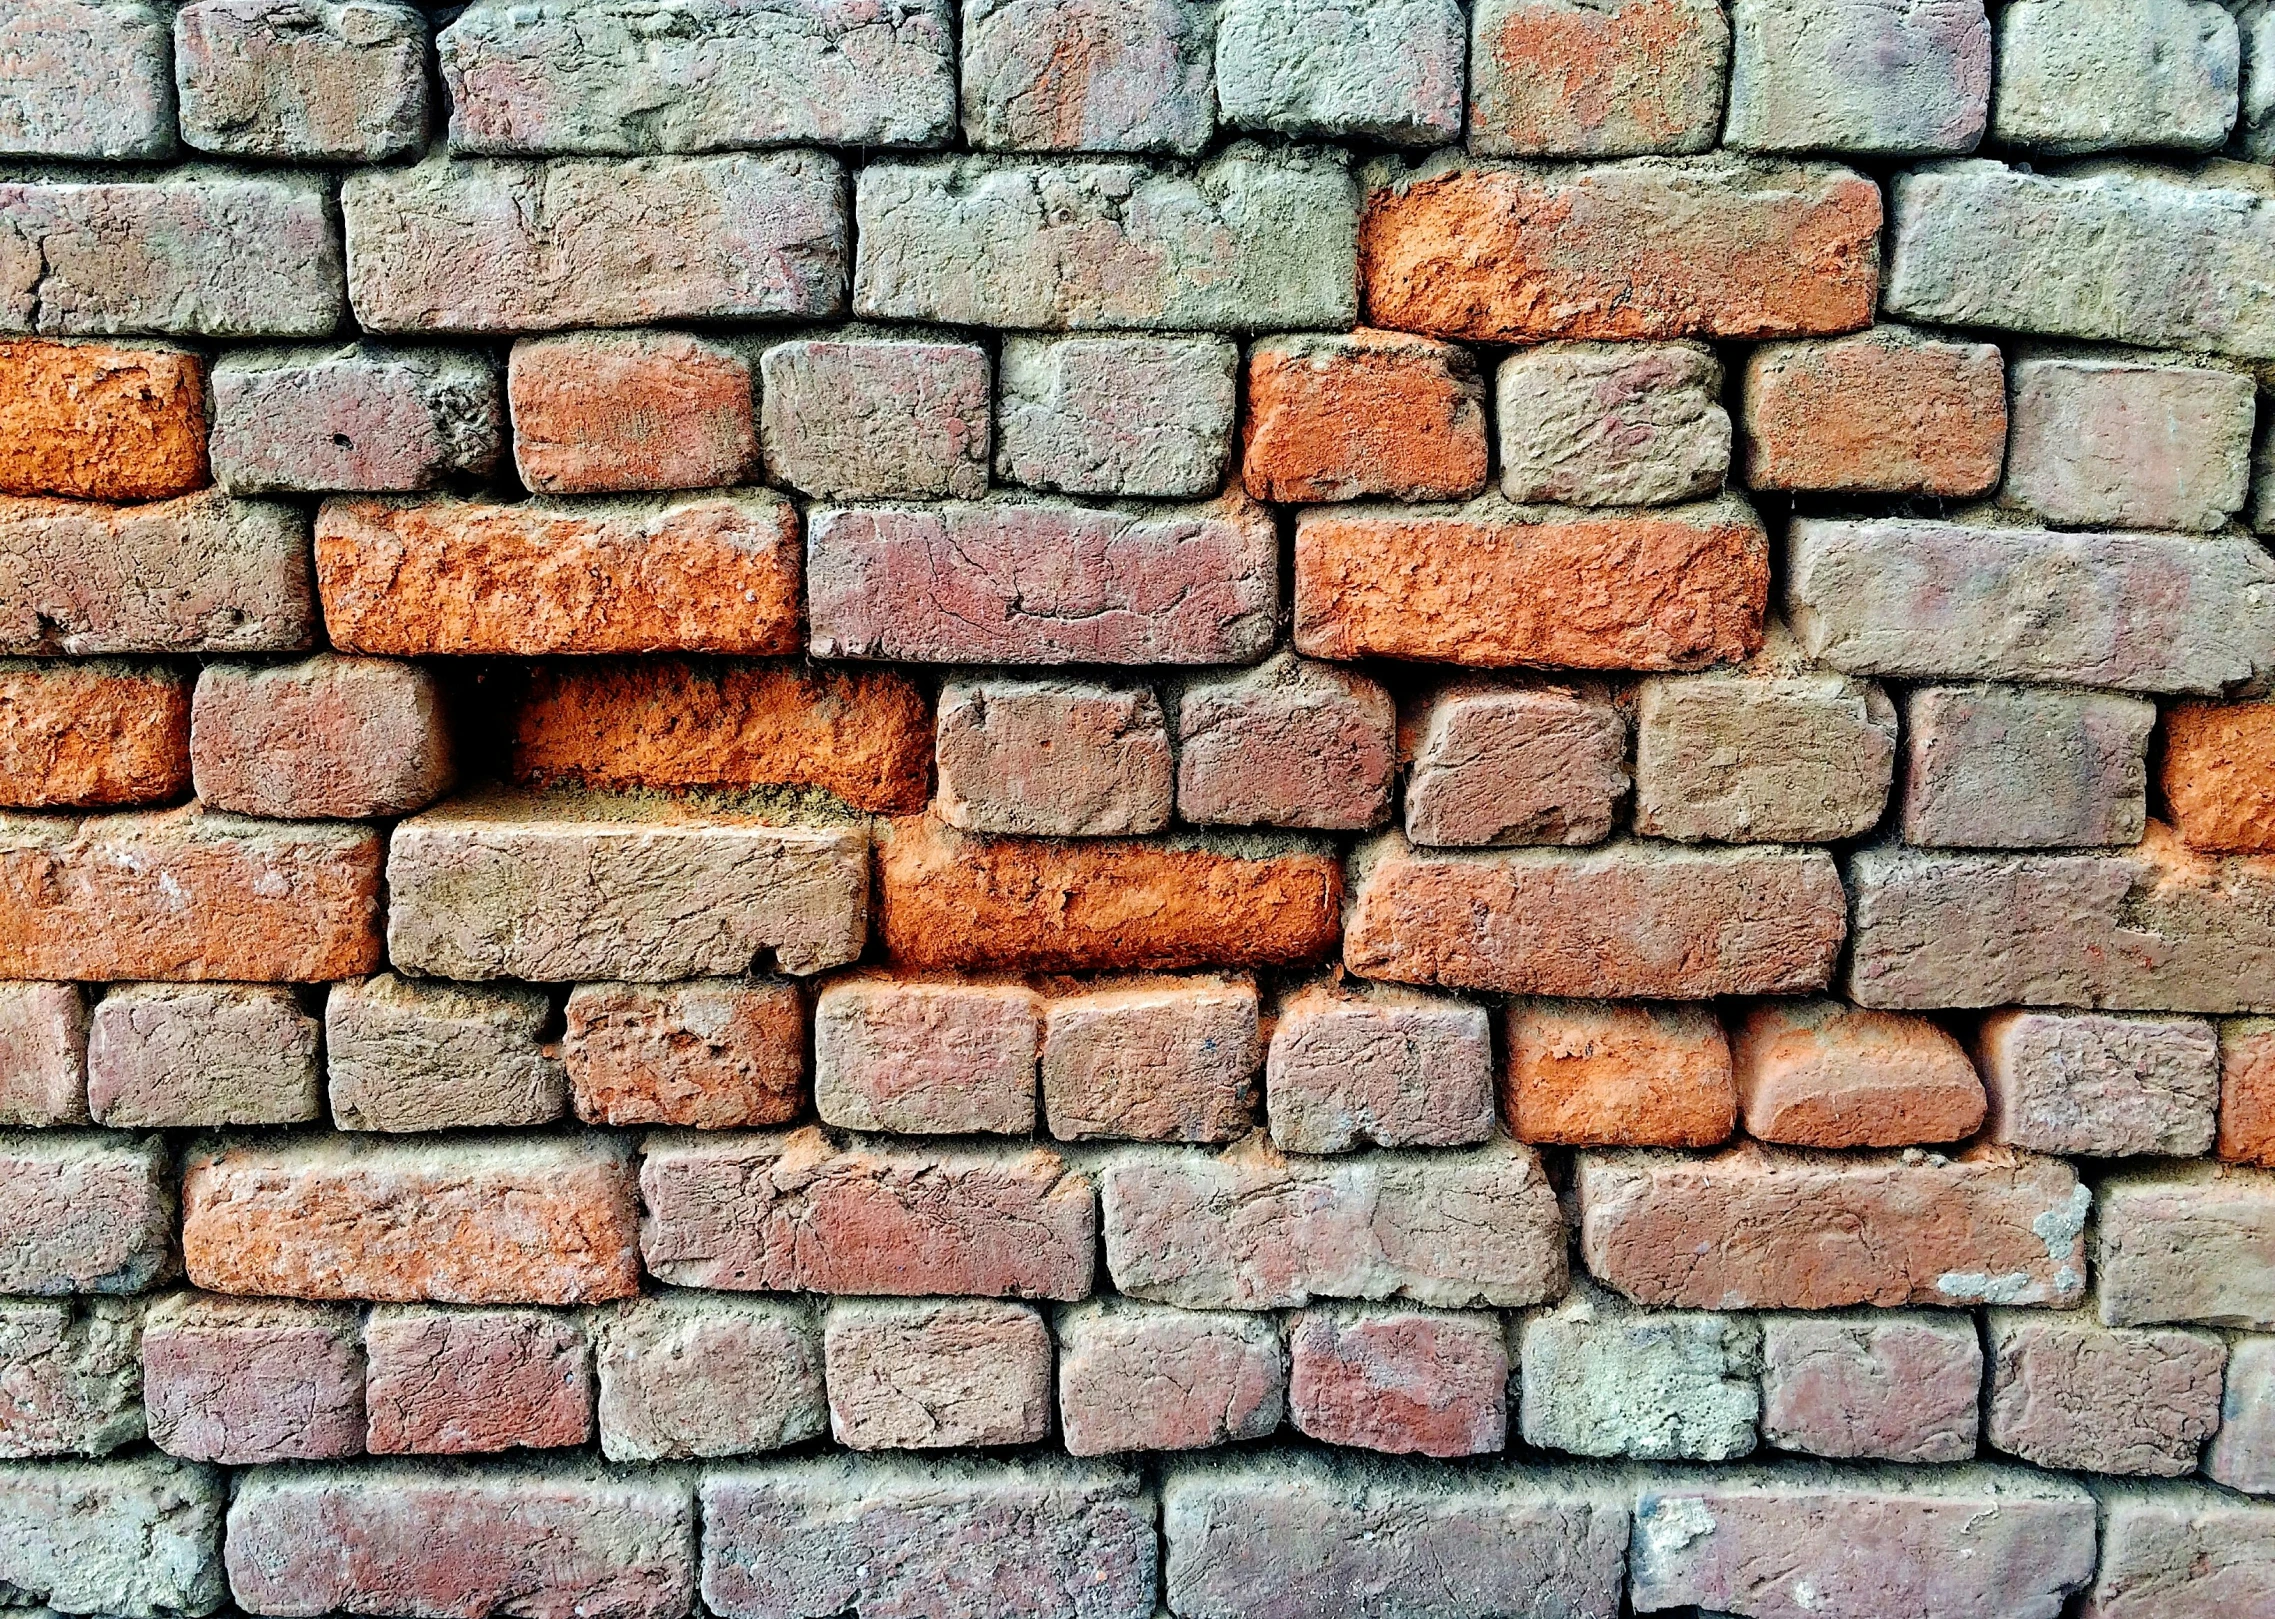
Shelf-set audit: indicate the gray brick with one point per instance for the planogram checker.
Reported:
(1052, 758)
(313, 80)
(84, 1211)
(2255, 130)
(2101, 1084)
(406, 1055)
(135, 1540)
(2101, 75)
(1612, 424)
(1119, 415)
(685, 1374)
(1602, 1378)
(1387, 70)
(365, 419)
(86, 79)
(868, 414)
(1897, 77)
(1089, 75)
(70, 1376)
(2242, 1453)
(933, 1374)
(2129, 442)
(173, 1056)
(2023, 767)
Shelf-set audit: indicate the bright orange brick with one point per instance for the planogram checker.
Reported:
(1820, 1074)
(2247, 1092)
(100, 421)
(1617, 1074)
(2218, 775)
(1374, 413)
(80, 735)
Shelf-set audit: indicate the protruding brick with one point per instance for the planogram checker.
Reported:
(315, 81)
(505, 1220)
(454, 1382)
(1080, 76)
(2128, 442)
(1612, 424)
(1123, 415)
(407, 1054)
(86, 1211)
(1895, 1385)
(203, 1056)
(1249, 1229)
(926, 1057)
(138, 1539)
(2242, 1454)
(927, 1374)
(1886, 411)
(2186, 1242)
(2067, 1392)
(2173, 1551)
(1371, 413)
(877, 414)
(2101, 1084)
(101, 421)
(2099, 75)
(695, 1374)
(366, 418)
(330, 738)
(2247, 1092)
(1147, 1377)
(236, 1381)
(1387, 72)
(1053, 758)
(595, 412)
(1601, 1378)
(1288, 743)
(2217, 775)
(71, 1376)
(1401, 1380)
(1820, 1074)
(1570, 78)
(714, 1053)
(1611, 1074)
(2018, 767)
(93, 733)
(1787, 1230)
(1902, 78)
(743, 1212)
(1493, 763)
(86, 79)
(43, 1054)
(1355, 1064)
(1152, 1059)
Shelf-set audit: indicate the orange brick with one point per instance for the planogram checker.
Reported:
(600, 411)
(700, 573)
(1617, 1074)
(79, 735)
(2218, 775)
(2247, 1092)
(101, 421)
(1494, 585)
(1884, 412)
(1374, 413)
(1820, 1074)
(863, 734)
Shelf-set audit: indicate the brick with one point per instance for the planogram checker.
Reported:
(1081, 76)
(1817, 1073)
(196, 252)
(599, 76)
(1886, 411)
(2217, 775)
(236, 1381)
(1899, 1386)
(203, 1056)
(2186, 1242)
(309, 80)
(1801, 1231)
(1354, 1064)
(2171, 1550)
(2100, 1084)
(1857, 1544)
(1152, 1059)
(1493, 585)
(1335, 69)
(872, 413)
(1040, 1539)
(1251, 240)
(1565, 78)
(1249, 1229)
(1927, 599)
(926, 1057)
(1336, 417)
(597, 412)
(86, 79)
(1612, 1074)
(200, 574)
(788, 1211)
(2067, 1392)
(2098, 75)
(1500, 763)
(138, 1539)
(950, 899)
(1288, 743)
(88, 734)
(2242, 1453)
(43, 1054)
(693, 1374)
(187, 894)
(1399, 1380)
(2126, 255)
(1601, 1378)
(454, 1382)
(366, 418)
(330, 738)
(2127, 442)
(666, 573)
(1611, 424)
(398, 1538)
(1894, 77)
(503, 1220)
(412, 1055)
(557, 888)
(926, 1374)
(85, 1212)
(714, 1053)
(2246, 1132)
(1053, 758)
(2018, 767)
(1146, 1377)
(1135, 415)
(2255, 130)
(1277, 1537)
(476, 246)
(71, 1377)
(1632, 919)
(101, 421)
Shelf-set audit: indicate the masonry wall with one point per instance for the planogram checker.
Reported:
(1095, 807)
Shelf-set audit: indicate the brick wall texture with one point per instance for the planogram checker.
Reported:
(1137, 809)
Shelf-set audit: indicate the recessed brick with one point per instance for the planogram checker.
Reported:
(2128, 443)
(686, 1374)
(138, 1539)
(714, 1053)
(101, 421)
(91, 734)
(2175, 1550)
(1386, 72)
(1898, 77)
(1355, 1064)
(1819, 1073)
(237, 1381)
(2247, 1092)
(1148, 1377)
(464, 1381)
(1400, 1380)
(1613, 1074)
(2186, 1242)
(311, 82)
(175, 1056)
(931, 1374)
(1151, 1059)
(2242, 1454)
(595, 412)
(71, 1376)
(1886, 411)
(1118, 415)
(87, 79)
(1087, 76)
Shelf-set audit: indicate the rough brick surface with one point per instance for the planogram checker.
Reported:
(87, 79)
(1611, 424)
(1899, 1386)
(175, 1056)
(2186, 1242)
(71, 1377)
(101, 421)
(2179, 1550)
(2102, 1084)
(2097, 75)
(2247, 1092)
(329, 739)
(693, 1374)
(1820, 1074)
(1152, 1059)
(1354, 1064)
(868, 415)
(1565, 78)
(406, 1055)
(464, 1381)
(1398, 1379)
(139, 1539)
(2128, 443)
(2218, 761)
(1053, 758)
(1886, 411)
(1908, 77)
(1383, 71)
(600, 411)
(2242, 1454)
(85, 1212)
(94, 733)
(1607, 1074)
(368, 418)
(2068, 1392)
(314, 80)
(234, 1381)
(2017, 767)
(1496, 763)
(926, 1057)
(1081, 76)
(926, 1374)
(1371, 413)
(1148, 1377)
(1601, 1378)
(714, 1053)
(1117, 415)
(1288, 743)
(43, 1054)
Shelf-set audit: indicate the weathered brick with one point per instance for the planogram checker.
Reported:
(2100, 1084)
(2217, 775)
(1085, 76)
(1248, 1229)
(714, 1053)
(236, 1381)
(2128, 442)
(2018, 767)
(2067, 1392)
(931, 1374)
(1612, 424)
(788, 1211)
(950, 899)
(1401, 1380)
(1896, 77)
(559, 888)
(1896, 1385)
(1251, 240)
(396, 1537)
(187, 894)
(1287, 743)
(2247, 1092)
(2242, 1454)
(504, 1220)
(1630, 919)
(71, 1376)
(926, 1056)
(1497, 763)
(85, 1211)
(601, 76)
(1147, 1377)
(454, 1382)
(86, 79)
(200, 574)
(137, 1539)
(329, 738)
(1612, 1074)
(2255, 129)
(1788, 1230)
(1601, 1378)
(2186, 1242)
(1887, 411)
(455, 246)
(1571, 78)
(1120, 415)
(873, 413)
(367, 418)
(407, 1054)
(43, 1054)
(101, 421)
(1335, 69)
(595, 412)
(312, 80)
(2170, 1551)
(91, 733)
(1339, 416)
(1053, 758)
(1817, 1073)
(203, 1056)
(2099, 75)
(1152, 1059)
(694, 1374)
(1355, 1064)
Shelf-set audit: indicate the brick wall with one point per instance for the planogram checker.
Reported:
(1063, 809)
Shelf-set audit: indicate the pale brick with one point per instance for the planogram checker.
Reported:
(1896, 1385)
(596, 412)
(1147, 1377)
(1895, 77)
(2175, 1551)
(2017, 767)
(1592, 1073)
(71, 1377)
(2187, 1242)
(868, 414)
(2099, 75)
(1089, 75)
(43, 1054)
(1338, 416)
(927, 1374)
(1291, 742)
(136, 1539)
(2255, 130)
(1053, 758)
(926, 1057)
(714, 1053)
(84, 1211)
(1386, 70)
(315, 81)
(1354, 1064)
(91, 733)
(86, 79)
(2128, 442)
(701, 1374)
(1400, 1380)
(2242, 1453)
(1601, 1378)
(1887, 411)
(2247, 1092)
(1152, 1059)
(1817, 1073)
(2066, 1392)
(1116, 415)
(366, 418)
(236, 1381)
(203, 1056)
(406, 1054)
(1492, 763)
(1584, 78)
(330, 738)
(1611, 424)
(2101, 1084)
(456, 1382)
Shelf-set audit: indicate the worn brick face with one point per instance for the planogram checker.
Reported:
(91, 734)
(101, 421)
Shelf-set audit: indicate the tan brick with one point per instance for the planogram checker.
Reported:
(1885, 412)
(1373, 413)
(1148, 1377)
(86, 735)
(926, 1056)
(595, 412)
(1151, 1059)
(43, 1054)
(1354, 1064)
(1817, 1073)
(933, 1374)
(202, 1056)
(101, 421)
(687, 1374)
(714, 1053)
(1495, 763)
(1613, 1074)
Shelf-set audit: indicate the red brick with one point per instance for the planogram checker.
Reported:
(1427, 1382)
(1147, 1377)
(2185, 1240)
(43, 1054)
(926, 1056)
(330, 738)
(86, 1211)
(932, 1374)
(93, 734)
(1607, 1074)
(236, 1381)
(1288, 743)
(1572, 78)
(1820, 1074)
(714, 1053)
(100, 421)
(1151, 1059)
(1886, 412)
(452, 1382)
(1494, 763)
(597, 412)
(2218, 775)
(1898, 1385)
(1053, 758)
(1356, 1064)
(2067, 1392)
(1373, 413)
